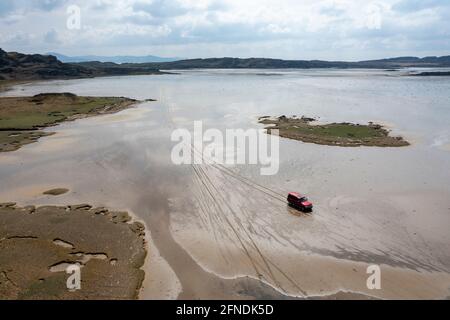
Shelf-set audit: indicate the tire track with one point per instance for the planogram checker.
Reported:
(204, 178)
(211, 193)
(267, 262)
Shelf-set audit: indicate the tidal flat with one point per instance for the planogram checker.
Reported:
(226, 231)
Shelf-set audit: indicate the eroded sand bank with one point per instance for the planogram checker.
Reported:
(38, 244)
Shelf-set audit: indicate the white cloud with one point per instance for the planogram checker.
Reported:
(330, 29)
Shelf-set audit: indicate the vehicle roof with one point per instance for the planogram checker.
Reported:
(296, 194)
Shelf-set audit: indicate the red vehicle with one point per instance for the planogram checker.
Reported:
(299, 201)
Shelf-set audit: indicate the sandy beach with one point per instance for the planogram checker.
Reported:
(225, 232)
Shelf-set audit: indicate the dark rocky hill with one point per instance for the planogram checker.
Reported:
(263, 63)
(18, 66)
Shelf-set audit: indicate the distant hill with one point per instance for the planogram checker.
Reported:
(114, 59)
(443, 61)
(264, 63)
(19, 66)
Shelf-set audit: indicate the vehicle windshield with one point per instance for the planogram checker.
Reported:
(304, 199)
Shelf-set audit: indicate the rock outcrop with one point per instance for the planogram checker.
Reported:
(19, 66)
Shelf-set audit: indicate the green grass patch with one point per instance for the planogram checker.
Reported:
(30, 113)
(22, 117)
(339, 130)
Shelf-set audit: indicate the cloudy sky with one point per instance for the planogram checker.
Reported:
(289, 29)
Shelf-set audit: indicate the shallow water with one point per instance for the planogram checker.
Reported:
(389, 206)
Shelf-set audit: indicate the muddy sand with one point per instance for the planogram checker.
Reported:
(241, 246)
(38, 244)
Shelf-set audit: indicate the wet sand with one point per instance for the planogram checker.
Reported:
(209, 239)
(241, 253)
(228, 237)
